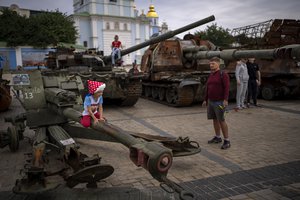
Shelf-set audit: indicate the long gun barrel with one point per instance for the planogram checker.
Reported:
(286, 52)
(152, 156)
(165, 36)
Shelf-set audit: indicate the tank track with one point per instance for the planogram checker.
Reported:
(134, 91)
(173, 95)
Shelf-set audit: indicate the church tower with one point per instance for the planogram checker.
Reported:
(153, 17)
(98, 21)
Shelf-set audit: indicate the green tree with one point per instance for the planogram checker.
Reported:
(217, 35)
(39, 30)
(51, 28)
(12, 27)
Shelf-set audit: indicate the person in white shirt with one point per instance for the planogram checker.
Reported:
(242, 77)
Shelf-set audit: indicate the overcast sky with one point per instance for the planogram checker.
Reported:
(229, 13)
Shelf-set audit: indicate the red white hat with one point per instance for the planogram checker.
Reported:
(95, 86)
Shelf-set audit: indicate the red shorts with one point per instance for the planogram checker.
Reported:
(86, 120)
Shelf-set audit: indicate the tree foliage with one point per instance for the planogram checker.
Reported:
(217, 35)
(39, 30)
(12, 26)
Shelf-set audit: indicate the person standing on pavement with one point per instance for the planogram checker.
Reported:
(242, 77)
(216, 100)
(254, 81)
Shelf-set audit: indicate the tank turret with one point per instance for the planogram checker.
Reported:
(167, 35)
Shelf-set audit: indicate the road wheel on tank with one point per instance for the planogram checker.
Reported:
(185, 96)
(155, 92)
(13, 138)
(162, 94)
(171, 95)
(268, 92)
(148, 91)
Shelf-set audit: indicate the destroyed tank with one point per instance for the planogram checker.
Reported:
(121, 87)
(176, 70)
(280, 78)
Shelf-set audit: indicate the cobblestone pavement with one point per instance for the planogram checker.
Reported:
(262, 163)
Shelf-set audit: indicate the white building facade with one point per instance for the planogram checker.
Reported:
(98, 21)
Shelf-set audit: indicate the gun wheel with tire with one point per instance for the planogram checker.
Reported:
(13, 138)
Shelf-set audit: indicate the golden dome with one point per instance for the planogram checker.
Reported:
(151, 13)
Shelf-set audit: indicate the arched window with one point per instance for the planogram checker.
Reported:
(117, 26)
(125, 27)
(85, 44)
(107, 25)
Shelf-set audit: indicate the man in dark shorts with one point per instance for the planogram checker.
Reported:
(216, 100)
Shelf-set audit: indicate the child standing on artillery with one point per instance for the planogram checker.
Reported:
(93, 104)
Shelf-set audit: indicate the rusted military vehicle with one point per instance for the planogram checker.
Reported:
(51, 110)
(176, 70)
(122, 87)
(280, 78)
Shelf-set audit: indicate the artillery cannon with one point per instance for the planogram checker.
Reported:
(122, 87)
(177, 70)
(51, 105)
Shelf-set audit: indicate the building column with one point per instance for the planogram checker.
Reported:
(93, 7)
(121, 6)
(105, 7)
(147, 33)
(19, 56)
(76, 24)
(94, 32)
(137, 37)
